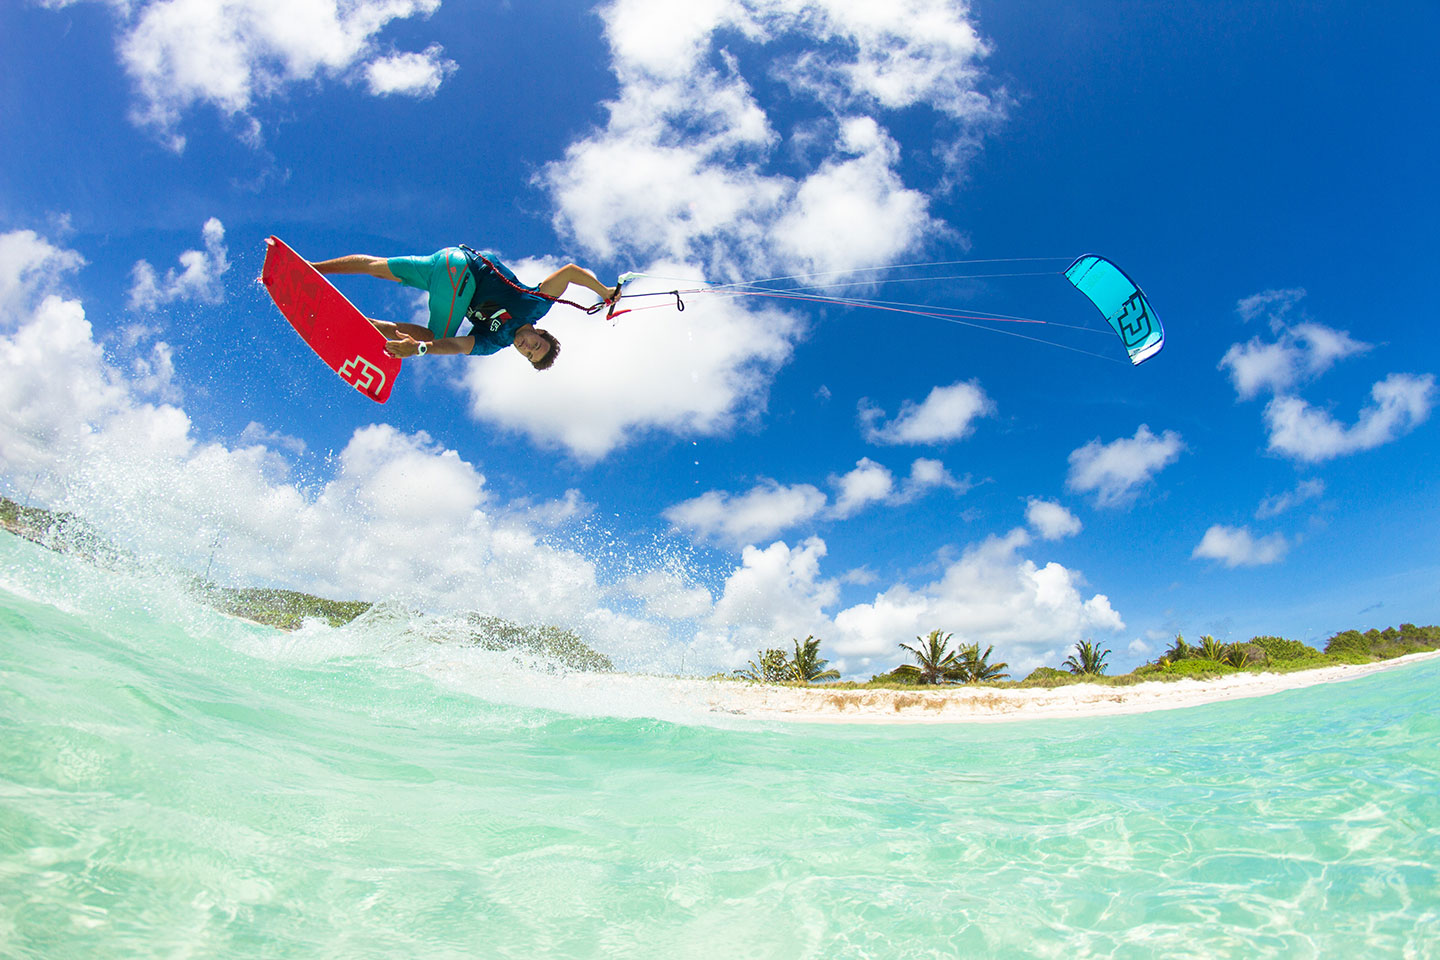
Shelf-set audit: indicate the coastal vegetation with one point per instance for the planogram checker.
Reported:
(937, 664)
(59, 530)
(283, 609)
(550, 643)
(1088, 660)
(776, 666)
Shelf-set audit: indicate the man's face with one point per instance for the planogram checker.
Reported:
(531, 344)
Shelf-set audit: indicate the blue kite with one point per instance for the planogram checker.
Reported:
(1121, 303)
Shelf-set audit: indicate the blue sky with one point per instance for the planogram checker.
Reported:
(697, 485)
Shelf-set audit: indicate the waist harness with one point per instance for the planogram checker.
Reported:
(496, 296)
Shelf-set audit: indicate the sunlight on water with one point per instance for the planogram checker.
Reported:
(176, 783)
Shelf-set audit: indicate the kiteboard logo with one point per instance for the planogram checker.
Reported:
(1133, 321)
(362, 375)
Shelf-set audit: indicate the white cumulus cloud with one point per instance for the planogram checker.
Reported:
(867, 483)
(776, 594)
(757, 515)
(913, 51)
(684, 166)
(1237, 547)
(1298, 354)
(1399, 404)
(1281, 502)
(946, 414)
(1050, 520)
(769, 508)
(1275, 303)
(992, 594)
(29, 266)
(1114, 472)
(816, 231)
(872, 482)
(409, 74)
(230, 55)
(199, 276)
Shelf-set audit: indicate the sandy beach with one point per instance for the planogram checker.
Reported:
(989, 705)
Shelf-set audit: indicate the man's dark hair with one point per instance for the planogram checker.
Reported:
(544, 362)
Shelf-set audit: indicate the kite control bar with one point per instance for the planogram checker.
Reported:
(613, 302)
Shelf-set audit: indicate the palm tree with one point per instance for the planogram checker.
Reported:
(1091, 659)
(1211, 649)
(808, 666)
(769, 666)
(976, 666)
(1179, 650)
(1237, 655)
(933, 656)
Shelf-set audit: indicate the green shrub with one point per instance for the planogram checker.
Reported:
(1348, 641)
(1196, 667)
(1390, 642)
(1426, 635)
(1278, 648)
(905, 673)
(1345, 655)
(1408, 639)
(1050, 677)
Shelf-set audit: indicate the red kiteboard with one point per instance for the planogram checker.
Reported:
(332, 326)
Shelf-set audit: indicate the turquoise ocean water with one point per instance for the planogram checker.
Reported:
(174, 783)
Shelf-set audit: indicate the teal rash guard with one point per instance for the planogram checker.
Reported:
(490, 311)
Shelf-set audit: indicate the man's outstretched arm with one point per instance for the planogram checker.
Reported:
(397, 331)
(409, 348)
(357, 263)
(556, 284)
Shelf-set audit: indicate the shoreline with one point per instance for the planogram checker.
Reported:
(991, 705)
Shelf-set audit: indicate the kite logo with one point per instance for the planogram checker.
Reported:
(1133, 321)
(362, 375)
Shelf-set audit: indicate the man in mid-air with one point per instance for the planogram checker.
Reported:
(477, 305)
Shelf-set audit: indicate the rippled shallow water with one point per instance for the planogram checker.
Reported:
(178, 784)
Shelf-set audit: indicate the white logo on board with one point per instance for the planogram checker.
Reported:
(362, 375)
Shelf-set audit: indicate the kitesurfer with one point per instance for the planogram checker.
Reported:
(477, 305)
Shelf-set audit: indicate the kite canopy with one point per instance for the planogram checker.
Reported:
(1121, 303)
